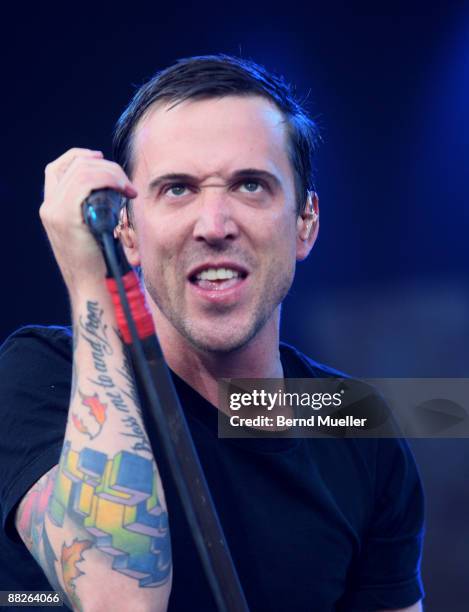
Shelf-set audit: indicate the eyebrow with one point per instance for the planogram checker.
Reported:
(244, 173)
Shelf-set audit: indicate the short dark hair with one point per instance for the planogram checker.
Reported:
(210, 76)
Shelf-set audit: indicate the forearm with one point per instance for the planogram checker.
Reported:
(107, 519)
(97, 523)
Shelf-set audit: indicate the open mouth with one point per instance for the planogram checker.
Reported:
(217, 279)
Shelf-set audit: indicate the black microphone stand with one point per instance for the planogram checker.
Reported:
(164, 419)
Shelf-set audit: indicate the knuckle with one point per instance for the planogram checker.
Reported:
(76, 161)
(117, 170)
(67, 158)
(115, 165)
(76, 151)
(79, 168)
(114, 175)
(45, 214)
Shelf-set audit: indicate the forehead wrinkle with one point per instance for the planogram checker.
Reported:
(143, 135)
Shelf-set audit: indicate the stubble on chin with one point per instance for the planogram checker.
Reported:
(225, 334)
(222, 334)
(222, 338)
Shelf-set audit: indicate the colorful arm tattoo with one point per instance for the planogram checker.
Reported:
(118, 503)
(71, 556)
(115, 501)
(30, 526)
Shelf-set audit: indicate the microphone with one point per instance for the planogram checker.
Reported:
(101, 211)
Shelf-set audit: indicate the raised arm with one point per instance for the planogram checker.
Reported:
(97, 523)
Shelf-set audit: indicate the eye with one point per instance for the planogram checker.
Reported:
(176, 189)
(252, 186)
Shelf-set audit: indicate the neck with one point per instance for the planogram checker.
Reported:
(259, 358)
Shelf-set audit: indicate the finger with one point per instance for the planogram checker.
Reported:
(86, 170)
(66, 159)
(57, 168)
(74, 190)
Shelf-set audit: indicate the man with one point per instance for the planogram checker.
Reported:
(214, 157)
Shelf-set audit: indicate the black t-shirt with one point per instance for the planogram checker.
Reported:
(314, 525)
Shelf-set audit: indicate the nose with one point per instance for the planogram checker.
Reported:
(215, 223)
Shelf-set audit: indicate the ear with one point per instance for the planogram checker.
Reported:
(125, 231)
(307, 226)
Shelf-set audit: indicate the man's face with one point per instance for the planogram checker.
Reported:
(218, 246)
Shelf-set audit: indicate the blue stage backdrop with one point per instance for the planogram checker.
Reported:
(385, 291)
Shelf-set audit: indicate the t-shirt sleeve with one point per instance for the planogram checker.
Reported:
(35, 374)
(387, 575)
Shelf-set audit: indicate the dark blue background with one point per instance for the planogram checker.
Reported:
(385, 291)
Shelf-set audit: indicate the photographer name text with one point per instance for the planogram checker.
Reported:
(282, 421)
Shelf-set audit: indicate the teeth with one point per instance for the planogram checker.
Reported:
(217, 274)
